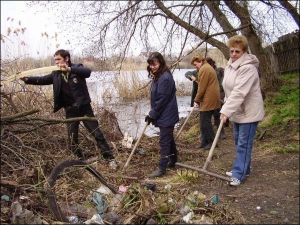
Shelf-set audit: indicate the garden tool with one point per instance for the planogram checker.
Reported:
(204, 169)
(184, 123)
(135, 146)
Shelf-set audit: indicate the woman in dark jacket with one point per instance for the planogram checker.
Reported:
(164, 111)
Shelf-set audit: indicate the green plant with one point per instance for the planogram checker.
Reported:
(162, 219)
(284, 106)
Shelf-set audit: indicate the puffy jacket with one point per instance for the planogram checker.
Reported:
(164, 109)
(76, 81)
(208, 94)
(243, 99)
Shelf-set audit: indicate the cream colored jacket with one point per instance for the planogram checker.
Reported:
(243, 99)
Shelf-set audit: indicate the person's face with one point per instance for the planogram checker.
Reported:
(60, 60)
(154, 66)
(235, 53)
(197, 64)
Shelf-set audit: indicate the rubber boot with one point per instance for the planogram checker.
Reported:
(106, 151)
(157, 173)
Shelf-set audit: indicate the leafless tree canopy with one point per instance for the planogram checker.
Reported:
(177, 27)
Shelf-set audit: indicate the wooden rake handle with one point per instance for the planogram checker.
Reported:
(133, 150)
(184, 123)
(213, 146)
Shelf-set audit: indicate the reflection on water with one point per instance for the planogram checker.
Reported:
(131, 115)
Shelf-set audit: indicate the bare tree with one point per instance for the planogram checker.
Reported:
(179, 27)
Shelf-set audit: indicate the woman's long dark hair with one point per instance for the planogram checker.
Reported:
(156, 56)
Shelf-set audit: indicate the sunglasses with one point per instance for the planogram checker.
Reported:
(236, 51)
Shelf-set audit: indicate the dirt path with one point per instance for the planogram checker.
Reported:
(270, 195)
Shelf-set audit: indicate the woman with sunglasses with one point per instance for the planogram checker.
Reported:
(164, 111)
(243, 104)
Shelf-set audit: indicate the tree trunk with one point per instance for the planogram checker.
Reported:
(269, 78)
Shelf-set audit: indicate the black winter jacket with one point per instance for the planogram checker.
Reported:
(76, 81)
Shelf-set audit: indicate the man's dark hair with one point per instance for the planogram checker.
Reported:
(63, 53)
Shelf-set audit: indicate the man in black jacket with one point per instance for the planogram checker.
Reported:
(70, 91)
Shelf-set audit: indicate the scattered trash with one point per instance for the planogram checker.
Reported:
(76, 209)
(113, 165)
(123, 188)
(184, 210)
(20, 216)
(5, 197)
(96, 219)
(170, 200)
(205, 220)
(215, 199)
(207, 203)
(22, 197)
(188, 217)
(127, 140)
(73, 219)
(150, 185)
(101, 204)
(112, 218)
(258, 208)
(140, 151)
(103, 190)
(115, 202)
(168, 187)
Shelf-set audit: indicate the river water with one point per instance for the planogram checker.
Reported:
(131, 115)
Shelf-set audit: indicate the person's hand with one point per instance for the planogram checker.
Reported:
(193, 78)
(223, 117)
(196, 105)
(148, 119)
(64, 67)
(24, 79)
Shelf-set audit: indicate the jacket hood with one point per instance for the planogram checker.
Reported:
(243, 60)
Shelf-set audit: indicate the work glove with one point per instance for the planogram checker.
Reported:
(148, 119)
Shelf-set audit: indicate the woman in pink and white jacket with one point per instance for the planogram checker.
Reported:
(243, 104)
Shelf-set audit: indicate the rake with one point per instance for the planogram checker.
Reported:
(210, 154)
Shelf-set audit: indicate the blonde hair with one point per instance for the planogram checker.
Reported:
(238, 40)
(197, 58)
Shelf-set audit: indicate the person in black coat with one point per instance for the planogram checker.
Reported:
(71, 93)
(164, 111)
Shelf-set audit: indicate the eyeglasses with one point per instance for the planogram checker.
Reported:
(236, 51)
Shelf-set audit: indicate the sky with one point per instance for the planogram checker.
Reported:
(35, 23)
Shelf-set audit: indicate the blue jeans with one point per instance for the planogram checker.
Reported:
(168, 151)
(244, 134)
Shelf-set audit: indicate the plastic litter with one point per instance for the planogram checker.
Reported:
(101, 204)
(113, 165)
(5, 197)
(73, 219)
(123, 188)
(96, 219)
(23, 216)
(103, 190)
(215, 199)
(168, 187)
(188, 217)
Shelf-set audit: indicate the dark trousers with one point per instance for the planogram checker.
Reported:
(194, 93)
(206, 128)
(168, 151)
(92, 126)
